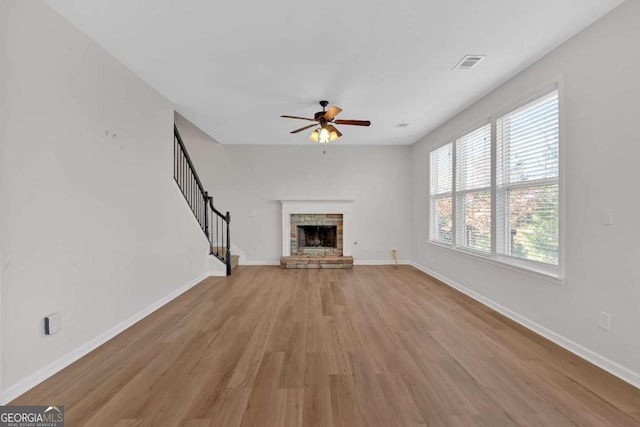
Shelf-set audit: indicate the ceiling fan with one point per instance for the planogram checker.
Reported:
(327, 132)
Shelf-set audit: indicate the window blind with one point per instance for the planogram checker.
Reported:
(527, 181)
(473, 189)
(441, 194)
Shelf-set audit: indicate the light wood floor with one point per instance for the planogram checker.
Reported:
(370, 346)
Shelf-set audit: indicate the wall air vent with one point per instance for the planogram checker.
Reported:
(469, 62)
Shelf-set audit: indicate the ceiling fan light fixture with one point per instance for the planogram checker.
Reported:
(324, 135)
(327, 132)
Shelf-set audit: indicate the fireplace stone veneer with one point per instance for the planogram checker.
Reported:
(322, 234)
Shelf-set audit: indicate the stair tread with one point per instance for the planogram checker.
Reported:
(235, 259)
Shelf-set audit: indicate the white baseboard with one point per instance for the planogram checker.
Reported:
(355, 262)
(37, 377)
(380, 262)
(591, 356)
(262, 262)
(218, 274)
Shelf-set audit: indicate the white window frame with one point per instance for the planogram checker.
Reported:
(459, 229)
(535, 268)
(450, 194)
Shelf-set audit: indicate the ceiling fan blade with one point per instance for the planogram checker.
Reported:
(353, 122)
(334, 129)
(332, 112)
(303, 128)
(296, 117)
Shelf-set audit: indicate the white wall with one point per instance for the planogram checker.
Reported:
(600, 109)
(250, 178)
(93, 226)
(2, 166)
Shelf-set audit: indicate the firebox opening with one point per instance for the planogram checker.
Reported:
(317, 236)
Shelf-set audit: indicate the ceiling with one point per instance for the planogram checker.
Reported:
(233, 67)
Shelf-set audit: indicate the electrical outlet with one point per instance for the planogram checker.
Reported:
(253, 214)
(607, 217)
(52, 323)
(604, 320)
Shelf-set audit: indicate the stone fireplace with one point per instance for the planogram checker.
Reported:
(316, 234)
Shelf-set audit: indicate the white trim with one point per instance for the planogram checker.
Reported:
(502, 261)
(381, 262)
(37, 377)
(234, 249)
(290, 207)
(355, 262)
(217, 274)
(561, 179)
(218, 269)
(591, 356)
(262, 262)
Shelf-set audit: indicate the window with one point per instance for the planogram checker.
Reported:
(473, 190)
(528, 181)
(441, 194)
(508, 211)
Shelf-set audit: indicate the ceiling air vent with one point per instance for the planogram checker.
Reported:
(469, 62)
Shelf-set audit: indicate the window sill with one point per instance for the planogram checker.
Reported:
(548, 275)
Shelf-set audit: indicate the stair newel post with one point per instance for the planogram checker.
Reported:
(206, 214)
(228, 257)
(207, 223)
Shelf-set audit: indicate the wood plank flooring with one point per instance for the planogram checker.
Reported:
(372, 346)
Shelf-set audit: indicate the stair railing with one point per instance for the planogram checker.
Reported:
(213, 223)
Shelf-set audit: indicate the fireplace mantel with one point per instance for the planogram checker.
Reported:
(290, 207)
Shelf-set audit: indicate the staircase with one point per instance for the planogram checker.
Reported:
(214, 224)
(235, 259)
